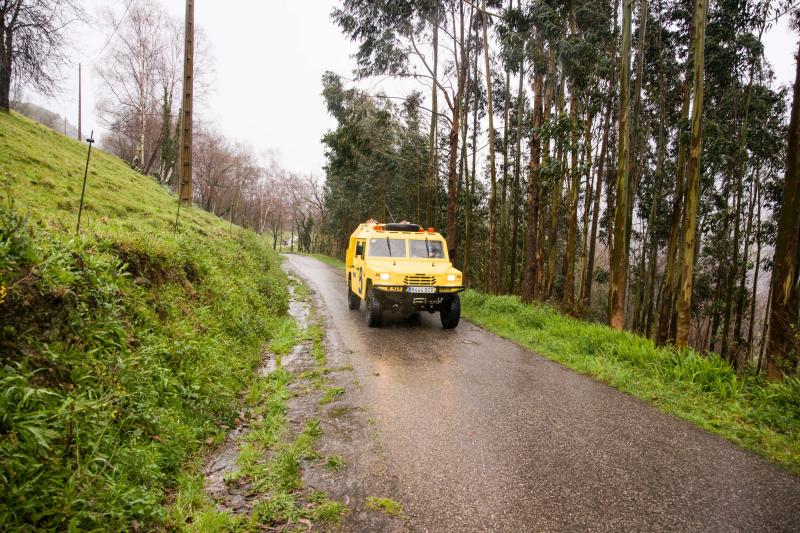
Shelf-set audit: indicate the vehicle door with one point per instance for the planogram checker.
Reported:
(357, 280)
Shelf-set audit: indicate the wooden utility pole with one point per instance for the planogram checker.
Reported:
(80, 122)
(185, 178)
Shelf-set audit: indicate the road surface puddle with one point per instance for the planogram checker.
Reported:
(308, 417)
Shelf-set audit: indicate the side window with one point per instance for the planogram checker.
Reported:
(360, 249)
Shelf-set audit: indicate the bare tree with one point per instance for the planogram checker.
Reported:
(32, 41)
(142, 72)
(129, 71)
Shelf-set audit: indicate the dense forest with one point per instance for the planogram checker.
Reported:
(633, 163)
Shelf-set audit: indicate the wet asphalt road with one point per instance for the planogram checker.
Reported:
(486, 436)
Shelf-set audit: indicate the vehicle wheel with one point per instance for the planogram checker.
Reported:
(450, 312)
(353, 301)
(373, 311)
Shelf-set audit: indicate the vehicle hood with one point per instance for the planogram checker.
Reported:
(410, 267)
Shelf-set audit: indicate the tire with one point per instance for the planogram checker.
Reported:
(353, 301)
(374, 309)
(450, 312)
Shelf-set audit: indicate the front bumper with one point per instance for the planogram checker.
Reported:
(398, 296)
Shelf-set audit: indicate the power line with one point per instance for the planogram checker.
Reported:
(113, 33)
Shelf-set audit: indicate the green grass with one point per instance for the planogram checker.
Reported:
(334, 463)
(385, 505)
(123, 350)
(760, 416)
(328, 260)
(331, 393)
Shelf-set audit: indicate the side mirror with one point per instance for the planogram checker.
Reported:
(360, 250)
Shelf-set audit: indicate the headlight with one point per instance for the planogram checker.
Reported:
(451, 277)
(384, 276)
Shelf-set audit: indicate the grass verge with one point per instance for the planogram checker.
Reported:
(123, 349)
(760, 416)
(270, 462)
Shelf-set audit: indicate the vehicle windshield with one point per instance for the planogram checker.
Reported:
(386, 247)
(427, 249)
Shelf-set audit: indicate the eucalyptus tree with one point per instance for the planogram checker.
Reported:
(783, 348)
(391, 37)
(580, 59)
(602, 164)
(684, 301)
(375, 156)
(619, 259)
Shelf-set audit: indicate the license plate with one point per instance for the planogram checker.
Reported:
(423, 290)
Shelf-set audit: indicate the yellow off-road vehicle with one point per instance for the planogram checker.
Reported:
(402, 267)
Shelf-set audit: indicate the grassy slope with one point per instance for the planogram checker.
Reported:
(759, 416)
(122, 351)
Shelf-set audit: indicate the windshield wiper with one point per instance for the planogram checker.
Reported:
(389, 246)
(428, 248)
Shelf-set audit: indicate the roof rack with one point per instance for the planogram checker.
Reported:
(402, 226)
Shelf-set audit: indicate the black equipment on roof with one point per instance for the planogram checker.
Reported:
(405, 226)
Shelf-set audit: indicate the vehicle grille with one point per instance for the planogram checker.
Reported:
(420, 280)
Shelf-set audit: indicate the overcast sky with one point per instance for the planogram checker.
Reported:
(270, 57)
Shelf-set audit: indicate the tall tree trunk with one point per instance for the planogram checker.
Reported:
(635, 134)
(463, 169)
(555, 200)
(659, 179)
(433, 163)
(589, 198)
(751, 326)
(532, 222)
(764, 333)
(501, 256)
(737, 328)
(541, 290)
(684, 301)
(517, 172)
(455, 130)
(6, 62)
(572, 214)
(452, 180)
(783, 345)
(470, 188)
(619, 260)
(740, 162)
(598, 190)
(492, 275)
(666, 313)
(729, 271)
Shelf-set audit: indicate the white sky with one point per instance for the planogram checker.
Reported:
(270, 57)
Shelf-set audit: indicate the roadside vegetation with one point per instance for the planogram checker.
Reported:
(384, 505)
(758, 415)
(123, 349)
(270, 457)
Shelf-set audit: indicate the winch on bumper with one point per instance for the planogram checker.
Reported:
(413, 298)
